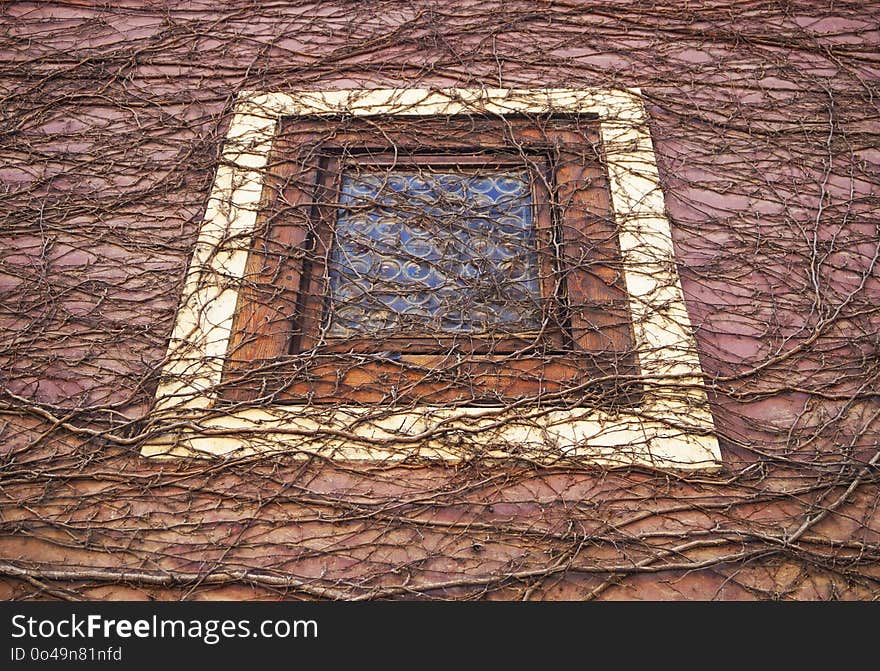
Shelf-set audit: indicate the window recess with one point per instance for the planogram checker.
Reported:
(437, 260)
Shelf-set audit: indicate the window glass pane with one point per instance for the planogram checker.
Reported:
(419, 251)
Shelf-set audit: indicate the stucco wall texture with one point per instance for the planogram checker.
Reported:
(765, 120)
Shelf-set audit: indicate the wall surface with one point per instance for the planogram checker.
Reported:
(765, 119)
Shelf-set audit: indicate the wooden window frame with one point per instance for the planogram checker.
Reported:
(276, 349)
(440, 343)
(671, 428)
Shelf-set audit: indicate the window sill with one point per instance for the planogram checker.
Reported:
(431, 433)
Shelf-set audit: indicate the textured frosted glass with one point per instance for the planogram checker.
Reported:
(434, 252)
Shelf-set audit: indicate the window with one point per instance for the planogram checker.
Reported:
(395, 274)
(454, 259)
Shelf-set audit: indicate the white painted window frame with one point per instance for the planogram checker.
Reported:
(672, 428)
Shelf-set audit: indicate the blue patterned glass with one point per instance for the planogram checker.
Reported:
(423, 252)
